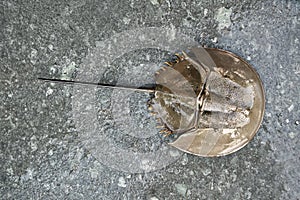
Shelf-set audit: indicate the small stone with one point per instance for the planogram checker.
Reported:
(223, 18)
(49, 91)
(122, 182)
(181, 189)
(214, 40)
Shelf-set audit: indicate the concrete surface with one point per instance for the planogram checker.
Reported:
(45, 151)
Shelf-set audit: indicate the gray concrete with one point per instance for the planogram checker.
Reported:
(46, 152)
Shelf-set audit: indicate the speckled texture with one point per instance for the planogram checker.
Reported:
(43, 154)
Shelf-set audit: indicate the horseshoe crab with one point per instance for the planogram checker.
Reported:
(211, 100)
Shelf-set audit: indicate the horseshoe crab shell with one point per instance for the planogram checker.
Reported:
(212, 99)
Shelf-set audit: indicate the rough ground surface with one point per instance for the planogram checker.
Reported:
(43, 151)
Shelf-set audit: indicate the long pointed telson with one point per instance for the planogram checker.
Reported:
(147, 88)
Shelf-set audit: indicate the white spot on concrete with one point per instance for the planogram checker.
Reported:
(52, 70)
(154, 198)
(28, 175)
(184, 160)
(122, 182)
(147, 165)
(128, 176)
(190, 15)
(50, 153)
(47, 186)
(154, 2)
(171, 32)
(291, 108)
(206, 171)
(10, 171)
(50, 47)
(33, 56)
(126, 20)
(68, 71)
(174, 153)
(88, 107)
(94, 173)
(181, 189)
(192, 173)
(186, 23)
(33, 143)
(33, 146)
(223, 18)
(169, 3)
(292, 135)
(33, 53)
(205, 12)
(147, 57)
(49, 91)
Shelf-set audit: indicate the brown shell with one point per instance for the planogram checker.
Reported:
(212, 99)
